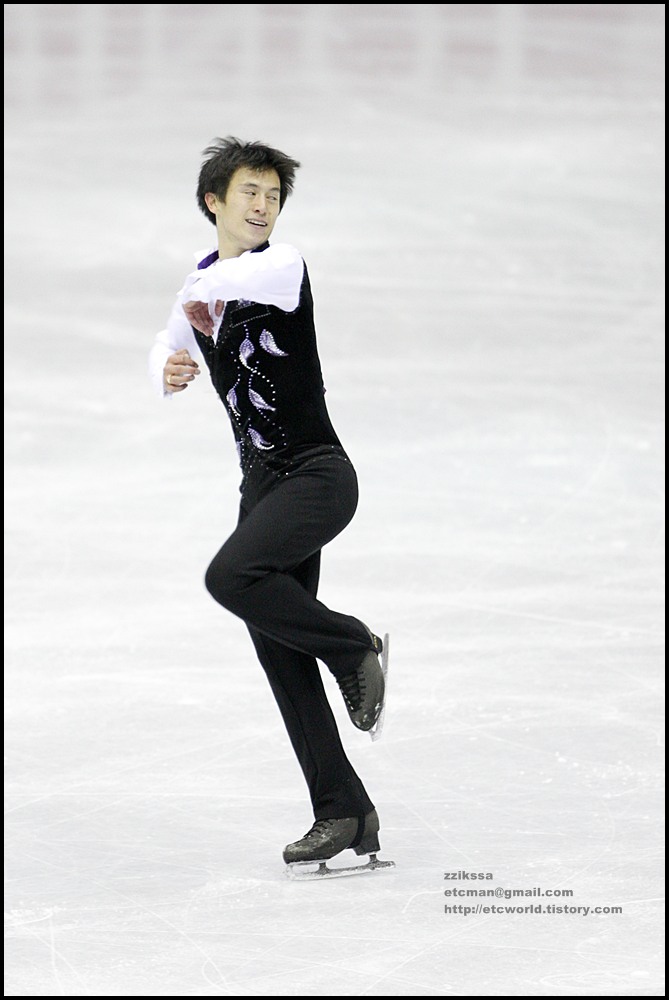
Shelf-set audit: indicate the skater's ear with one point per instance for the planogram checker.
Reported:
(212, 201)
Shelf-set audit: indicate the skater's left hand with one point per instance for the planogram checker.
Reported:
(198, 315)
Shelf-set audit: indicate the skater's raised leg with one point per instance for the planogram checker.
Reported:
(364, 689)
(252, 574)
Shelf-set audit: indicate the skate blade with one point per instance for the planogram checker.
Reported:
(377, 728)
(300, 871)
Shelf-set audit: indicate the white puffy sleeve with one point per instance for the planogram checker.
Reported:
(273, 277)
(177, 335)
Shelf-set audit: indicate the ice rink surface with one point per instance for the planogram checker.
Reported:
(480, 205)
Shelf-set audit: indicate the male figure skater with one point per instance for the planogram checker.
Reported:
(248, 307)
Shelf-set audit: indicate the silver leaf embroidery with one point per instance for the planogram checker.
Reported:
(259, 440)
(232, 400)
(268, 343)
(245, 351)
(259, 402)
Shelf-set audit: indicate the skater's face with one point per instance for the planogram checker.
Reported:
(247, 216)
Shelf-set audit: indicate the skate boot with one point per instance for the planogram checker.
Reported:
(364, 689)
(328, 837)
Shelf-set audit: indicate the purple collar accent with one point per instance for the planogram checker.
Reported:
(209, 259)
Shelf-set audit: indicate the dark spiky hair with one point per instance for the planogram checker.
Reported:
(224, 156)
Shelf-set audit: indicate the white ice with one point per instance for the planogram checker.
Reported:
(480, 207)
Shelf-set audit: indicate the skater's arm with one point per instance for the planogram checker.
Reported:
(172, 355)
(273, 277)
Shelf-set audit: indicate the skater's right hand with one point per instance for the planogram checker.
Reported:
(179, 370)
(198, 316)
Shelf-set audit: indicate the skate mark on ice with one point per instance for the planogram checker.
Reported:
(221, 985)
(550, 619)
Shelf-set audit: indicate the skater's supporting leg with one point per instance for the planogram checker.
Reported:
(329, 837)
(335, 788)
(295, 679)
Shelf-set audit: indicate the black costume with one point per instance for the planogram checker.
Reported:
(298, 491)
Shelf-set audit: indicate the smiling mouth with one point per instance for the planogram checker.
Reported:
(257, 222)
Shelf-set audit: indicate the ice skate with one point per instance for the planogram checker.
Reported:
(306, 858)
(364, 689)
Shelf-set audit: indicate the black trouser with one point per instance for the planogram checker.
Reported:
(267, 574)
